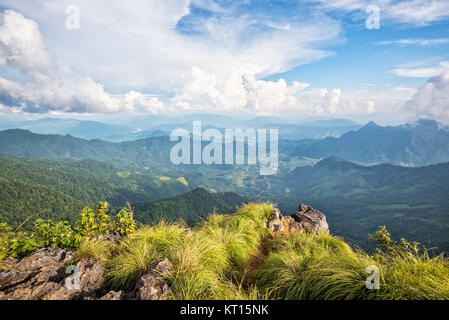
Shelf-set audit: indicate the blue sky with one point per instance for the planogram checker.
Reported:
(252, 57)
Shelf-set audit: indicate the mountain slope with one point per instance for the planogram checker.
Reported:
(191, 207)
(64, 186)
(411, 202)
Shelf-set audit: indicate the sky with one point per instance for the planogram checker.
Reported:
(378, 60)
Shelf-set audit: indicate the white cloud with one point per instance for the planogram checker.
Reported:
(138, 49)
(234, 90)
(415, 41)
(143, 103)
(432, 99)
(22, 44)
(419, 71)
(218, 66)
(137, 45)
(416, 12)
(39, 85)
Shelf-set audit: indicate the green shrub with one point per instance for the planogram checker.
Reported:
(51, 234)
(124, 223)
(94, 222)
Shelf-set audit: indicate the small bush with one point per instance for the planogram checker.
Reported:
(51, 234)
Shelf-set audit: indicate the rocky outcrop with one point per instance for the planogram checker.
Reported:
(85, 280)
(50, 275)
(47, 274)
(36, 276)
(305, 219)
(152, 286)
(276, 222)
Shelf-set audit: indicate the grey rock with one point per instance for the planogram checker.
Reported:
(34, 276)
(112, 295)
(305, 219)
(312, 220)
(43, 275)
(152, 286)
(275, 223)
(86, 281)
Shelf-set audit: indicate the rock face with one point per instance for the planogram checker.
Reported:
(152, 285)
(85, 280)
(49, 275)
(305, 219)
(36, 276)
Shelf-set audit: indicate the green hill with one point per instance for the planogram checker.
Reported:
(191, 207)
(29, 186)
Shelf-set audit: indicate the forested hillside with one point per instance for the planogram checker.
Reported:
(412, 202)
(190, 207)
(57, 189)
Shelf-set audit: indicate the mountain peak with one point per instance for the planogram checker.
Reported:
(336, 163)
(329, 160)
(371, 124)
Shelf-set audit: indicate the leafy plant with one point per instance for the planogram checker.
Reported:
(51, 234)
(94, 222)
(124, 222)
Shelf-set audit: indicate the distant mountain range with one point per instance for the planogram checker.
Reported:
(163, 126)
(423, 143)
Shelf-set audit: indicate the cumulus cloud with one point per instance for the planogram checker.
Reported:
(234, 90)
(218, 65)
(432, 99)
(149, 44)
(138, 102)
(22, 44)
(40, 85)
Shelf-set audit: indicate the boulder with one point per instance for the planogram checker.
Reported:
(152, 286)
(275, 222)
(305, 219)
(311, 220)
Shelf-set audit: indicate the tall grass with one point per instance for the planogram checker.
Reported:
(98, 249)
(212, 260)
(306, 266)
(139, 250)
(415, 276)
(208, 265)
